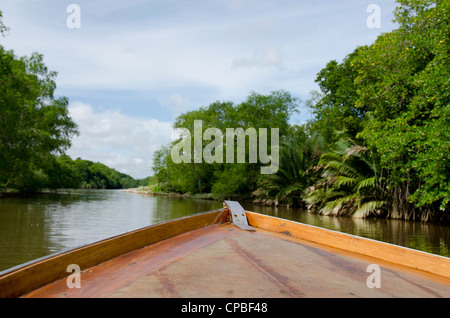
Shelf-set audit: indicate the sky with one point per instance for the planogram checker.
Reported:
(129, 68)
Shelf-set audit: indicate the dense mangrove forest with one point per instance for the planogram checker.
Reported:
(378, 144)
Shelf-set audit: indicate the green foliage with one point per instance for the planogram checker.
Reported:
(352, 182)
(224, 180)
(392, 98)
(35, 131)
(86, 174)
(404, 79)
(299, 153)
(334, 107)
(3, 28)
(173, 177)
(34, 124)
(393, 95)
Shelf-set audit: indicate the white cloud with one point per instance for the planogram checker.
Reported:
(235, 4)
(177, 103)
(270, 57)
(229, 47)
(121, 142)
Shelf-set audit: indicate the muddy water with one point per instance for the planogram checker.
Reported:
(40, 225)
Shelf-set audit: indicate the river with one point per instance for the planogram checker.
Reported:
(39, 225)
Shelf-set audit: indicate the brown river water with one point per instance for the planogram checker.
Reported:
(35, 226)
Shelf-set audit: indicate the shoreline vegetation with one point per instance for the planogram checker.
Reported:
(377, 145)
(204, 196)
(149, 190)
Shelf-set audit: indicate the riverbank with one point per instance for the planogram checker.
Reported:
(149, 190)
(262, 202)
(207, 196)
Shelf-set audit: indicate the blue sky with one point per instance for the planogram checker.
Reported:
(133, 66)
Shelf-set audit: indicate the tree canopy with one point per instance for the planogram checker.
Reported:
(224, 179)
(36, 130)
(393, 96)
(379, 141)
(34, 124)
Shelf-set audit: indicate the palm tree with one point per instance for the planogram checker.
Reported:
(352, 182)
(288, 184)
(297, 156)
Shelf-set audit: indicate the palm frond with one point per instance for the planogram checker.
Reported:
(339, 167)
(366, 208)
(366, 183)
(345, 181)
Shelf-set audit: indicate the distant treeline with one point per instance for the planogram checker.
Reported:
(86, 174)
(62, 172)
(36, 130)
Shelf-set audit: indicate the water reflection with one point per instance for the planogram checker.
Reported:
(167, 209)
(36, 226)
(40, 225)
(432, 238)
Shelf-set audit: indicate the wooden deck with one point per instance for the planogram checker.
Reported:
(222, 260)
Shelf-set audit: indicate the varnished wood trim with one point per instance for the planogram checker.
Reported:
(23, 280)
(434, 264)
